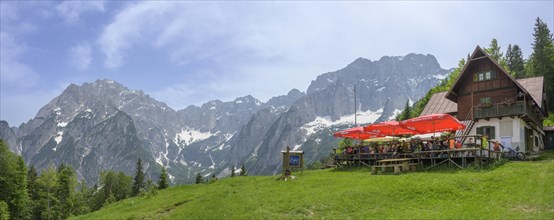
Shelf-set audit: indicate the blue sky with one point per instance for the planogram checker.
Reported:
(184, 53)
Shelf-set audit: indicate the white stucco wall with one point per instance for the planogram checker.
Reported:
(518, 130)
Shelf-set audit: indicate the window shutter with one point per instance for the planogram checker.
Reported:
(492, 134)
(475, 77)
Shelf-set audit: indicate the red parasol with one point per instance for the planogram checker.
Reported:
(356, 133)
(388, 128)
(433, 123)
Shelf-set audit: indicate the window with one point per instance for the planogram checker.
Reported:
(485, 75)
(485, 101)
(487, 130)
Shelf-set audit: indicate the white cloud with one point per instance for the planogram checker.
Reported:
(13, 71)
(71, 11)
(81, 56)
(16, 108)
(268, 48)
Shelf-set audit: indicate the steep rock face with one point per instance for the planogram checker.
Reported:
(396, 78)
(8, 134)
(221, 116)
(244, 146)
(285, 100)
(380, 88)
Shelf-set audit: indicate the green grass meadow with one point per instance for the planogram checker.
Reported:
(515, 190)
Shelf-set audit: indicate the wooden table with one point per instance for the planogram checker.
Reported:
(401, 164)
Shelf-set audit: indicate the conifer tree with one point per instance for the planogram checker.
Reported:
(4, 213)
(198, 178)
(515, 62)
(82, 199)
(115, 184)
(67, 181)
(407, 111)
(541, 61)
(233, 172)
(13, 182)
(33, 191)
(243, 171)
(138, 184)
(21, 195)
(494, 51)
(214, 178)
(48, 201)
(122, 186)
(163, 182)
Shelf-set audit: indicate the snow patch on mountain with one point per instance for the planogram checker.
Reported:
(213, 163)
(189, 135)
(395, 113)
(62, 124)
(323, 122)
(58, 138)
(361, 117)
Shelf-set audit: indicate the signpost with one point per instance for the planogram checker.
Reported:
(291, 159)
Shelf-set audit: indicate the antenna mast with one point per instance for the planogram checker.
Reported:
(355, 108)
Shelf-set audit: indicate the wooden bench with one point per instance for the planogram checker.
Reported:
(397, 168)
(413, 167)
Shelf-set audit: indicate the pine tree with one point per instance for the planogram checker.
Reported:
(515, 62)
(406, 112)
(541, 61)
(67, 181)
(138, 185)
(107, 185)
(33, 191)
(122, 186)
(494, 51)
(199, 178)
(13, 182)
(115, 184)
(163, 183)
(243, 171)
(4, 212)
(32, 182)
(233, 172)
(82, 198)
(48, 201)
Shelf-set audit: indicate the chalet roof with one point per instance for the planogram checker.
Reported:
(439, 104)
(535, 87)
(478, 54)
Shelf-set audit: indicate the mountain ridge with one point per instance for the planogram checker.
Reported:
(217, 135)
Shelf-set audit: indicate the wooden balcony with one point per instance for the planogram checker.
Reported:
(499, 110)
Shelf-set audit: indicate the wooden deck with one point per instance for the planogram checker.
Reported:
(425, 159)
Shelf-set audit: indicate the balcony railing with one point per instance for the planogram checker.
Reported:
(517, 108)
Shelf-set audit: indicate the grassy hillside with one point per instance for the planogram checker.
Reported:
(513, 191)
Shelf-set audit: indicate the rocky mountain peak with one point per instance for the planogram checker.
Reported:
(285, 101)
(105, 125)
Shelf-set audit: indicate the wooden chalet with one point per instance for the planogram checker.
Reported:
(489, 101)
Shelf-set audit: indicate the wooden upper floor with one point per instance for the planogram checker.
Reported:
(485, 90)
